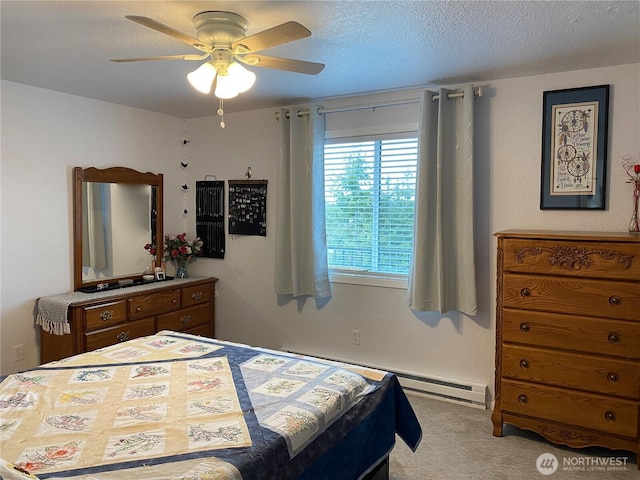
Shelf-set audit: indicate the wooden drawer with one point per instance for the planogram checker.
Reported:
(118, 334)
(598, 412)
(153, 304)
(185, 319)
(202, 331)
(595, 335)
(104, 315)
(582, 372)
(571, 435)
(597, 298)
(195, 295)
(572, 258)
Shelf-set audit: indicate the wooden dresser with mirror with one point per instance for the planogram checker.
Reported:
(568, 337)
(116, 212)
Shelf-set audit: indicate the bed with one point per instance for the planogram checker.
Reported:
(178, 406)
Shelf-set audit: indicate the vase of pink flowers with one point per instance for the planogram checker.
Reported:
(180, 251)
(631, 165)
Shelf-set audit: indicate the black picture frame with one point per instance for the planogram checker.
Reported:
(574, 148)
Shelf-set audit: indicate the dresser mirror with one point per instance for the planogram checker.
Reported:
(116, 212)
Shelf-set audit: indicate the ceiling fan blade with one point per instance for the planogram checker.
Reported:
(183, 37)
(164, 57)
(287, 32)
(298, 66)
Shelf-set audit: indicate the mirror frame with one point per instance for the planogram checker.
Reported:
(108, 175)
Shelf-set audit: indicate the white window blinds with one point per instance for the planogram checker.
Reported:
(369, 201)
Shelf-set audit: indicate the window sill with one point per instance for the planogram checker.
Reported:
(369, 279)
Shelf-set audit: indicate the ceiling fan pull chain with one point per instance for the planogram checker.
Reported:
(221, 113)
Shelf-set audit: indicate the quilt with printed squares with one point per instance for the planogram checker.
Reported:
(178, 406)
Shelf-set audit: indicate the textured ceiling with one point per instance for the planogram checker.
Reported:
(367, 46)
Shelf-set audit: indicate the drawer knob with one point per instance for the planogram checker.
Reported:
(123, 336)
(524, 363)
(610, 416)
(106, 315)
(525, 292)
(615, 300)
(197, 296)
(185, 319)
(523, 399)
(138, 309)
(613, 337)
(612, 377)
(525, 327)
(174, 301)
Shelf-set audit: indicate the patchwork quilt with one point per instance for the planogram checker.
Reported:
(178, 406)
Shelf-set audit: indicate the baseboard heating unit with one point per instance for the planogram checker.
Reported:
(450, 390)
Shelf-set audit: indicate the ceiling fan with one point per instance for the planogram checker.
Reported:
(221, 36)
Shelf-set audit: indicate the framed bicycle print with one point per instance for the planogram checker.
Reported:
(574, 148)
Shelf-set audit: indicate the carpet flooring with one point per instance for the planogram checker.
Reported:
(457, 444)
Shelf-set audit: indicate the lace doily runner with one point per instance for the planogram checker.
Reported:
(53, 310)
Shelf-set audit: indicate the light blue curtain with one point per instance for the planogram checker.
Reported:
(301, 245)
(442, 276)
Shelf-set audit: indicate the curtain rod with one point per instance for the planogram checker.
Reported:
(407, 101)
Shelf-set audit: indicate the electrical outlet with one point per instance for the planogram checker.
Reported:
(18, 353)
(355, 337)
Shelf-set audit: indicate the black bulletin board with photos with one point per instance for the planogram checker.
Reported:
(248, 207)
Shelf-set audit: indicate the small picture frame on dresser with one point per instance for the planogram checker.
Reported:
(574, 148)
(160, 276)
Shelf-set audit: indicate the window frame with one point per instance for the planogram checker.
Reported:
(371, 279)
(363, 277)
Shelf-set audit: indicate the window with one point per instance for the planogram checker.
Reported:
(369, 201)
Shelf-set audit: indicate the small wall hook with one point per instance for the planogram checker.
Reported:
(185, 187)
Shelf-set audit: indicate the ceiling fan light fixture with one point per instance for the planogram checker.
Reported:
(222, 37)
(202, 78)
(242, 78)
(225, 88)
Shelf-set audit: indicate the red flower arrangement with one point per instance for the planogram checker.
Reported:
(177, 247)
(151, 248)
(631, 165)
(632, 168)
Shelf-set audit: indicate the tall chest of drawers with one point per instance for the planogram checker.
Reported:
(568, 337)
(96, 321)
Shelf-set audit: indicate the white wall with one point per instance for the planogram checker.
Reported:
(508, 137)
(44, 135)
